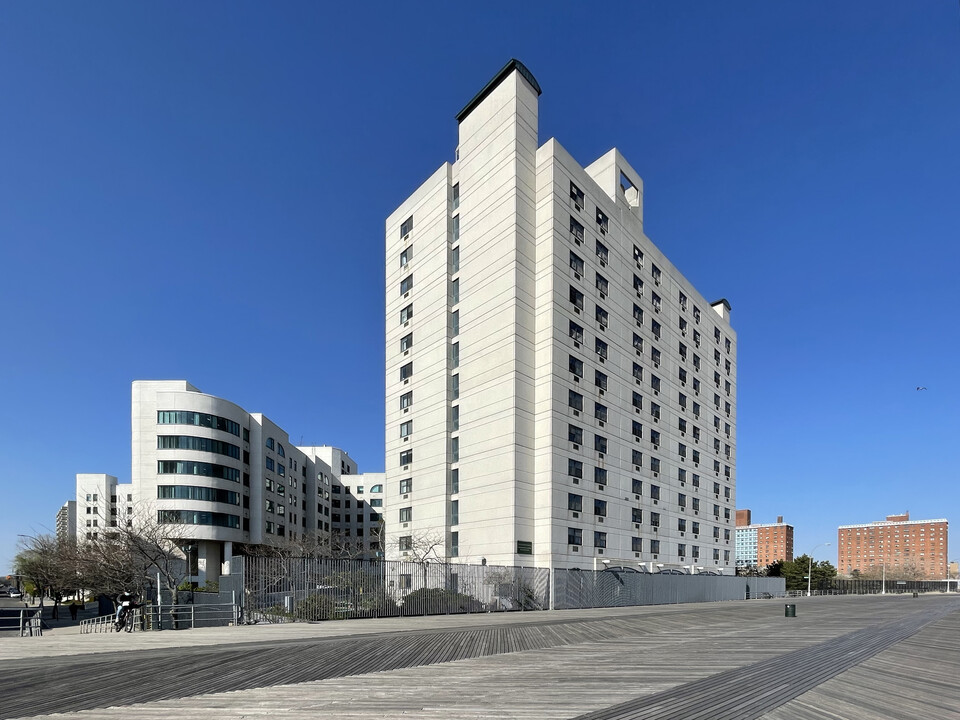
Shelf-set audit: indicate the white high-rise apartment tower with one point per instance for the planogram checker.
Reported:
(557, 393)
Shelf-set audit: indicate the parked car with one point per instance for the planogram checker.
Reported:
(16, 594)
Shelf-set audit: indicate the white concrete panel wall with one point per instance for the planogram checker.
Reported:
(430, 358)
(149, 398)
(514, 377)
(497, 151)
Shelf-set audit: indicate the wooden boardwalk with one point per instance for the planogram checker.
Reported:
(712, 661)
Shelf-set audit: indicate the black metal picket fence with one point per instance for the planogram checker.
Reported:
(856, 586)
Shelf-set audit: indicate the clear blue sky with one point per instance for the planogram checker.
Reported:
(198, 191)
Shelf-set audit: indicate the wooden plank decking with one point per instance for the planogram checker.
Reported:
(728, 660)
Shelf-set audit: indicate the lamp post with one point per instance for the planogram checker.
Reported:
(810, 565)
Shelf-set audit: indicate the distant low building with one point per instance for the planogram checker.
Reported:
(759, 545)
(895, 545)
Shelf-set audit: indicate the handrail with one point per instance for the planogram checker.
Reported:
(168, 617)
(31, 625)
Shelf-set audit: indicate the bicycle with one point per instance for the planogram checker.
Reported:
(125, 621)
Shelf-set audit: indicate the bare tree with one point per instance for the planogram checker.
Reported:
(906, 570)
(131, 557)
(49, 565)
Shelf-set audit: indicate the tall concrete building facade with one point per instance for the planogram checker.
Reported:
(895, 544)
(557, 393)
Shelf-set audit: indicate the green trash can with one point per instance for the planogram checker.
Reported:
(790, 610)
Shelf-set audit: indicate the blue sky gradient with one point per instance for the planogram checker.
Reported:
(198, 191)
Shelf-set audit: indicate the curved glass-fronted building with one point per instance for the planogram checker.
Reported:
(212, 475)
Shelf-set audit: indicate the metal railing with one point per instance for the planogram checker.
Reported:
(108, 623)
(168, 617)
(189, 616)
(31, 623)
(858, 586)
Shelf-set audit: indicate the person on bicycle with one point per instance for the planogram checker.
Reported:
(126, 601)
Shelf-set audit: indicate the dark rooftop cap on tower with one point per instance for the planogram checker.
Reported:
(497, 79)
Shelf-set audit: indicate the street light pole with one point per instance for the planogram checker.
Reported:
(810, 566)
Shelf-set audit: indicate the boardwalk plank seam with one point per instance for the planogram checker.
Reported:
(795, 673)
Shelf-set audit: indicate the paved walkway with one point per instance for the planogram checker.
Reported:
(875, 657)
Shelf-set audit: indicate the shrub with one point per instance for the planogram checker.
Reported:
(437, 601)
(315, 607)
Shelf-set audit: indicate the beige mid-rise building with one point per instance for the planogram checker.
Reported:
(557, 393)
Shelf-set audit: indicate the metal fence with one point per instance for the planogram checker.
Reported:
(108, 623)
(840, 586)
(167, 617)
(289, 589)
(189, 616)
(625, 587)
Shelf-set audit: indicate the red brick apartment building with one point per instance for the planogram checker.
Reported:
(762, 544)
(895, 542)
